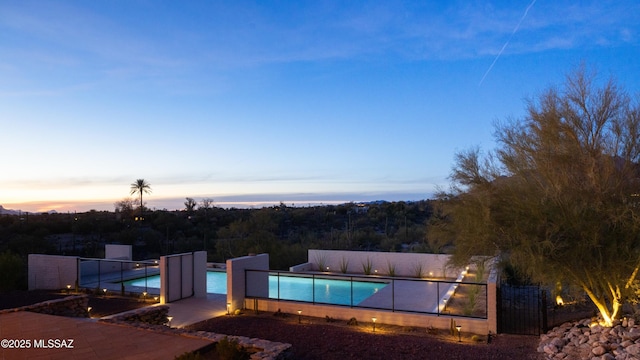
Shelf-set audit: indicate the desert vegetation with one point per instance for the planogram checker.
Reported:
(285, 232)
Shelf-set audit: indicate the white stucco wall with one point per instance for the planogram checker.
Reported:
(51, 272)
(404, 264)
(259, 282)
(120, 252)
(182, 276)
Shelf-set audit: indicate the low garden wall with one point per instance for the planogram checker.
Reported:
(154, 318)
(152, 315)
(70, 306)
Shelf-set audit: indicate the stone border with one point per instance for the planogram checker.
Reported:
(70, 306)
(150, 318)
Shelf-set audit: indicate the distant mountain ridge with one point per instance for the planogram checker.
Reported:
(4, 211)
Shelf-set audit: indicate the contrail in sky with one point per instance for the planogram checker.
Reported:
(507, 43)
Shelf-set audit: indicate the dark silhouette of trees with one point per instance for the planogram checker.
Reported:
(190, 205)
(286, 233)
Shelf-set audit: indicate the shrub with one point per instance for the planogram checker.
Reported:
(344, 265)
(231, 350)
(418, 270)
(188, 356)
(279, 313)
(321, 262)
(352, 322)
(11, 271)
(367, 267)
(391, 269)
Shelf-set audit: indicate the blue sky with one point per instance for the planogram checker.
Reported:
(253, 103)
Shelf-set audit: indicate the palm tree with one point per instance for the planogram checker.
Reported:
(140, 186)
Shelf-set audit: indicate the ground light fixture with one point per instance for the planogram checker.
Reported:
(299, 316)
(68, 288)
(144, 296)
(104, 291)
(374, 323)
(228, 308)
(458, 327)
(169, 318)
(89, 310)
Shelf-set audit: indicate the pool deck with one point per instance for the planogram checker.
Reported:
(91, 339)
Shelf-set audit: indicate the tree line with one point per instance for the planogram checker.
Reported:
(285, 232)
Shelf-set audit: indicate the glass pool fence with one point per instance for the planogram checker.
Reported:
(430, 296)
(111, 274)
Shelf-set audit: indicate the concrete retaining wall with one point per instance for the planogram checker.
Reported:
(443, 322)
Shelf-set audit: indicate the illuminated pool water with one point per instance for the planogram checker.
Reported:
(329, 291)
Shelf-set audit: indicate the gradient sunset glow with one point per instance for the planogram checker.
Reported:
(256, 103)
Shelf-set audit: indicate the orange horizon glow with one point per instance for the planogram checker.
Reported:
(170, 204)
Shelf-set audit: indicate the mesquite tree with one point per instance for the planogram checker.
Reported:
(560, 194)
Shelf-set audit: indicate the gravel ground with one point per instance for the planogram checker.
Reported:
(317, 339)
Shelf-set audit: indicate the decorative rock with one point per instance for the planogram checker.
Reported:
(577, 341)
(598, 350)
(631, 322)
(558, 342)
(633, 349)
(550, 349)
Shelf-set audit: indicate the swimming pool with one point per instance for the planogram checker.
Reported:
(308, 289)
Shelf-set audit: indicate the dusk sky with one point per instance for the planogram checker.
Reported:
(254, 103)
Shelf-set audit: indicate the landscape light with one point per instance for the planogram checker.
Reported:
(228, 308)
(458, 327)
(169, 318)
(104, 291)
(299, 316)
(374, 323)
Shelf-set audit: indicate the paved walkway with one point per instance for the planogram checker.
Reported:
(91, 339)
(192, 310)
